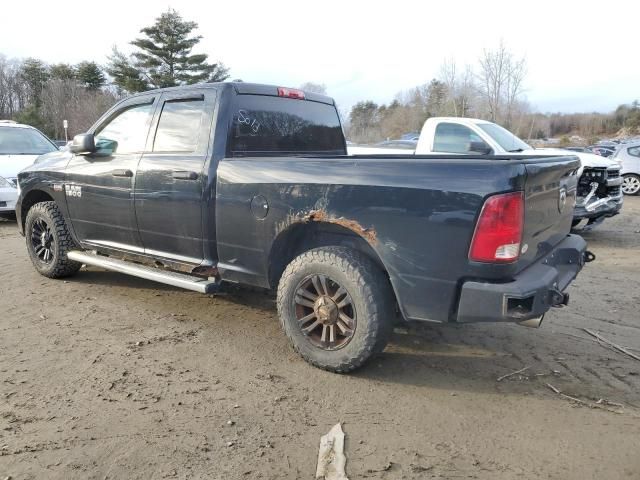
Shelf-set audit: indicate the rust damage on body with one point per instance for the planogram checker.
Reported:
(321, 215)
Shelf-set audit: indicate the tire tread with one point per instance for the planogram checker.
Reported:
(65, 242)
(374, 288)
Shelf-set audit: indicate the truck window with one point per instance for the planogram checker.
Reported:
(503, 137)
(454, 138)
(268, 125)
(126, 133)
(179, 126)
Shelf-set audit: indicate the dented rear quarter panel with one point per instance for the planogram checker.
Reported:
(417, 213)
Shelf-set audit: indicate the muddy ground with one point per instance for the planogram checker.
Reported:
(106, 376)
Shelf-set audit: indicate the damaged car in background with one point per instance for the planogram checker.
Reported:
(599, 194)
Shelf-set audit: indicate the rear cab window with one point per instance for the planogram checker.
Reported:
(270, 125)
(454, 138)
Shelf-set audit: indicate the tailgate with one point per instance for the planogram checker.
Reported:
(550, 195)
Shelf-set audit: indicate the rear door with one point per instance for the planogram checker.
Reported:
(171, 177)
(99, 187)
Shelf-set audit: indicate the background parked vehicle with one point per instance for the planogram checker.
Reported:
(20, 145)
(410, 136)
(578, 149)
(408, 144)
(8, 198)
(629, 157)
(602, 150)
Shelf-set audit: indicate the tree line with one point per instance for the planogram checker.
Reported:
(42, 95)
(493, 89)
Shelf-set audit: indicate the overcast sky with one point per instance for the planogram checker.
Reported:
(581, 56)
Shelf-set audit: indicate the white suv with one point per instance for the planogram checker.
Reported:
(20, 145)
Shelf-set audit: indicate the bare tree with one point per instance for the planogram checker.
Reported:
(516, 72)
(467, 92)
(448, 76)
(501, 79)
(13, 94)
(68, 100)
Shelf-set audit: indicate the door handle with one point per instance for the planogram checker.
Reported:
(182, 175)
(122, 173)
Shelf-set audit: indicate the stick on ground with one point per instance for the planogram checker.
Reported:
(512, 374)
(611, 344)
(582, 402)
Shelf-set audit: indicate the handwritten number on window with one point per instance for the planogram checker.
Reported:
(244, 118)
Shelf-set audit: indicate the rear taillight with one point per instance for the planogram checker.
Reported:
(498, 232)
(290, 93)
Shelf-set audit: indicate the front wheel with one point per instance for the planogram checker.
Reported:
(49, 240)
(631, 184)
(336, 307)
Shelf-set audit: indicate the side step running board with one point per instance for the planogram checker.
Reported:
(150, 273)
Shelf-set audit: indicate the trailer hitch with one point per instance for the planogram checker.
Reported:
(558, 298)
(589, 256)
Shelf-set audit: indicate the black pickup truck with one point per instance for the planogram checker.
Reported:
(235, 182)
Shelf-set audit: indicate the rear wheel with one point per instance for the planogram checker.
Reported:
(631, 184)
(336, 307)
(49, 240)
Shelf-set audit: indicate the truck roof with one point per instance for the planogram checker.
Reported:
(242, 88)
(474, 121)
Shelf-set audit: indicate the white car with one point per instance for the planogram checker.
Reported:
(8, 197)
(20, 145)
(629, 157)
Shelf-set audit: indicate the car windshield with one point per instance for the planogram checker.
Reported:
(503, 137)
(24, 141)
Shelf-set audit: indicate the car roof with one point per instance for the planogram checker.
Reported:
(14, 124)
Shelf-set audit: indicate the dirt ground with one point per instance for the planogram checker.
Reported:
(105, 376)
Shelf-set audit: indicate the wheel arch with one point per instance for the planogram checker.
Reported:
(304, 236)
(30, 199)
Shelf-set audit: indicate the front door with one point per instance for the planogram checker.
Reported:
(99, 187)
(171, 176)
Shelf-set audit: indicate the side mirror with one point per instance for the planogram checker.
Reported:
(83, 144)
(480, 147)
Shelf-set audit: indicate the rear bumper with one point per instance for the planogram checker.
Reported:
(531, 293)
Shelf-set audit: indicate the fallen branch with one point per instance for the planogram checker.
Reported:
(611, 344)
(512, 374)
(582, 402)
(603, 401)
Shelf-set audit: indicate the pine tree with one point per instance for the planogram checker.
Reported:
(164, 58)
(125, 76)
(90, 75)
(34, 73)
(62, 71)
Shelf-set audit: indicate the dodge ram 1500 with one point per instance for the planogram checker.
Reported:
(236, 182)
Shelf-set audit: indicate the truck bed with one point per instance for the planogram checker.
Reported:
(417, 213)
